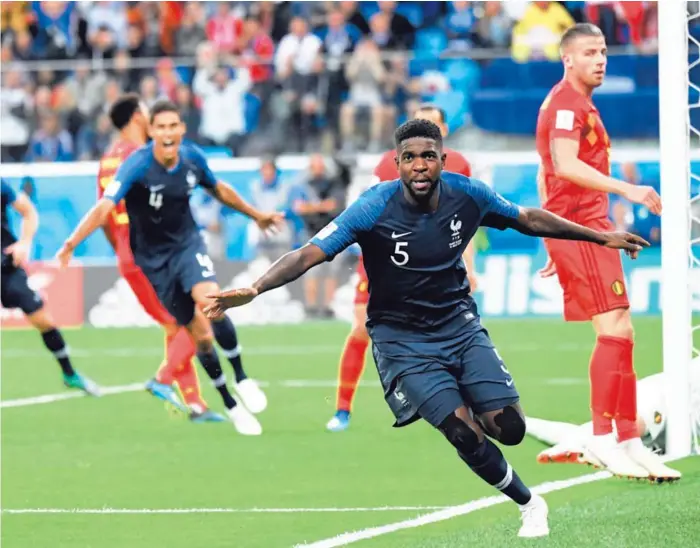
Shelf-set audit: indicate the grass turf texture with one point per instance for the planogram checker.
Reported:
(125, 451)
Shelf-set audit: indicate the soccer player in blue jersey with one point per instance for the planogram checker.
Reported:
(156, 182)
(434, 358)
(16, 293)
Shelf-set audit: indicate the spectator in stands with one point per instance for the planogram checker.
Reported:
(460, 27)
(401, 29)
(123, 73)
(297, 66)
(189, 113)
(50, 143)
(149, 90)
(354, 17)
(223, 106)
(192, 31)
(224, 30)
(399, 93)
(494, 27)
(93, 140)
(257, 53)
(319, 198)
(380, 32)
(537, 34)
(23, 47)
(43, 105)
(110, 16)
(15, 112)
(87, 88)
(339, 40)
(271, 193)
(15, 17)
(366, 75)
(168, 78)
(64, 105)
(112, 93)
(56, 21)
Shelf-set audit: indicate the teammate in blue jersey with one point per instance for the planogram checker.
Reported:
(16, 293)
(156, 182)
(435, 360)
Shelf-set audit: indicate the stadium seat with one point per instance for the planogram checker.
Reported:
(252, 112)
(463, 74)
(430, 41)
(455, 105)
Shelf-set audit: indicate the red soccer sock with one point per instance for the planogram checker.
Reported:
(626, 413)
(178, 351)
(604, 373)
(188, 383)
(352, 363)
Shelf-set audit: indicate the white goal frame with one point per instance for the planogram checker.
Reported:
(676, 244)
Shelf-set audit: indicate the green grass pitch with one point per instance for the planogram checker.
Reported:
(124, 451)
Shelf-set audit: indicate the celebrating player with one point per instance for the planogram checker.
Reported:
(130, 118)
(16, 293)
(352, 360)
(569, 441)
(435, 360)
(574, 183)
(156, 182)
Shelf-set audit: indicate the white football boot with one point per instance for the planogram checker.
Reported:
(534, 516)
(606, 451)
(251, 395)
(649, 460)
(244, 421)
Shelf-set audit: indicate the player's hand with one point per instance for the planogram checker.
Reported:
(64, 255)
(630, 243)
(19, 251)
(473, 282)
(228, 299)
(270, 222)
(646, 196)
(549, 269)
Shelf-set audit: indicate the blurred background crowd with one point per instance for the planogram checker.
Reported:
(256, 77)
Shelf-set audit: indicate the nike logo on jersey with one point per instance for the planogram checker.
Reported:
(156, 188)
(509, 383)
(394, 235)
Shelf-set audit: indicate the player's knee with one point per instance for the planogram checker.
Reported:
(511, 425)
(41, 321)
(460, 435)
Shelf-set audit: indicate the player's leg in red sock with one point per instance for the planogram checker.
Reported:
(352, 361)
(604, 372)
(188, 383)
(178, 352)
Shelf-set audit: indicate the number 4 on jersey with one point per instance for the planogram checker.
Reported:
(155, 200)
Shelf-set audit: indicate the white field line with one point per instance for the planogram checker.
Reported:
(447, 513)
(129, 511)
(300, 383)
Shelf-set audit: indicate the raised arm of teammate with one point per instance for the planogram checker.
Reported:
(30, 223)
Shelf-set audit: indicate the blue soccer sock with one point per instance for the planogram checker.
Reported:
(53, 340)
(210, 362)
(225, 334)
(489, 464)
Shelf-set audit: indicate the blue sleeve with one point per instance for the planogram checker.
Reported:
(131, 170)
(491, 202)
(208, 179)
(8, 193)
(345, 230)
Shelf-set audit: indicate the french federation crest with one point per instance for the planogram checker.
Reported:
(191, 179)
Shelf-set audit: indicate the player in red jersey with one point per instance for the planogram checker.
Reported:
(574, 182)
(129, 117)
(352, 361)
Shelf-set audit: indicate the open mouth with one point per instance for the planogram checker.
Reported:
(420, 185)
(168, 144)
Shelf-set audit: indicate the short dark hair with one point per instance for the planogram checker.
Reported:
(163, 105)
(426, 107)
(417, 128)
(123, 110)
(579, 29)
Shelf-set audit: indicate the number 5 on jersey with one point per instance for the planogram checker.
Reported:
(207, 265)
(400, 256)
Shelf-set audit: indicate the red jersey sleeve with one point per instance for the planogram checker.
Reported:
(456, 163)
(567, 116)
(386, 169)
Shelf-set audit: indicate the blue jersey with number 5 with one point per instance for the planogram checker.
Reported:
(158, 201)
(417, 278)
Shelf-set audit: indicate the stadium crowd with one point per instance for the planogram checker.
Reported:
(332, 74)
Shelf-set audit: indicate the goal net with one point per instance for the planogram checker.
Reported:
(679, 104)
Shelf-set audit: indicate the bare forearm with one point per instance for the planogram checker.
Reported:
(541, 187)
(288, 268)
(229, 197)
(468, 256)
(30, 224)
(582, 174)
(538, 222)
(93, 220)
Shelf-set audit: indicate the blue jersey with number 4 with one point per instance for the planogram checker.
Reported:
(417, 278)
(158, 201)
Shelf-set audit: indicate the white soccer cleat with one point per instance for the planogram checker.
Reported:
(534, 516)
(244, 421)
(649, 460)
(251, 395)
(606, 451)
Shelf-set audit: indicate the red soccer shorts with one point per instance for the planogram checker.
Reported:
(362, 287)
(590, 275)
(140, 285)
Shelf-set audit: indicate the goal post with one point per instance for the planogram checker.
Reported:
(675, 222)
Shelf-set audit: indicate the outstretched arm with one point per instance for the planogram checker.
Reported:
(93, 220)
(229, 197)
(286, 269)
(30, 223)
(533, 221)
